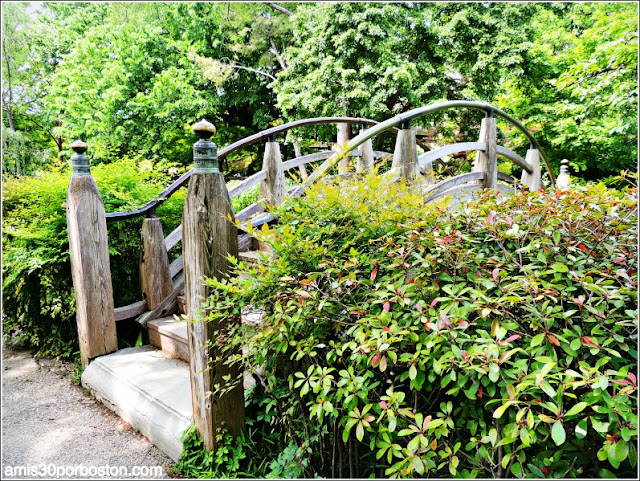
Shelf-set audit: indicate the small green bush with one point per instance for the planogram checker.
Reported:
(404, 340)
(37, 291)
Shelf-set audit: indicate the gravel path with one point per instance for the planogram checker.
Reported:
(57, 430)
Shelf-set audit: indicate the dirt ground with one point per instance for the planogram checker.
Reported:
(53, 429)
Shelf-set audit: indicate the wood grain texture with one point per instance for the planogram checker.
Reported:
(207, 238)
(155, 278)
(273, 187)
(532, 179)
(172, 239)
(166, 308)
(130, 311)
(89, 252)
(176, 266)
(487, 160)
(405, 155)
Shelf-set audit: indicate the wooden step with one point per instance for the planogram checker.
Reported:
(170, 335)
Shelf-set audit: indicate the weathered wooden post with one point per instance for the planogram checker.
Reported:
(273, 188)
(533, 180)
(487, 160)
(89, 252)
(302, 168)
(344, 134)
(208, 237)
(563, 181)
(364, 164)
(155, 278)
(405, 155)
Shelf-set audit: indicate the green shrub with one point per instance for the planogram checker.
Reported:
(37, 291)
(402, 340)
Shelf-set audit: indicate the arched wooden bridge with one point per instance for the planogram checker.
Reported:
(207, 237)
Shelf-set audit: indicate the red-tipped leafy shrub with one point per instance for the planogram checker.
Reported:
(495, 340)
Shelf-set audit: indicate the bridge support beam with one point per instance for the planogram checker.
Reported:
(90, 269)
(273, 188)
(405, 155)
(208, 237)
(533, 180)
(487, 160)
(155, 279)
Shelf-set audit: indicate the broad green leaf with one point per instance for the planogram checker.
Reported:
(621, 450)
(516, 470)
(546, 387)
(576, 409)
(558, 434)
(497, 414)
(537, 339)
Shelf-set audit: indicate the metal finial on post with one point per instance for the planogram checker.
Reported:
(563, 181)
(79, 161)
(205, 152)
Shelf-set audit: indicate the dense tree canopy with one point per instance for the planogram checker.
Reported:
(131, 77)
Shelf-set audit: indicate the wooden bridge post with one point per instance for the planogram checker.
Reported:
(155, 279)
(208, 237)
(405, 155)
(298, 151)
(273, 188)
(344, 135)
(487, 160)
(90, 269)
(533, 180)
(364, 164)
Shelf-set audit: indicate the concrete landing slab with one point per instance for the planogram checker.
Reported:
(148, 390)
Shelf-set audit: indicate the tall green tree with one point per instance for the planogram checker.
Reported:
(582, 96)
(27, 141)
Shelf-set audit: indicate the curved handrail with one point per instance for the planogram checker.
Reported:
(419, 112)
(153, 204)
(379, 127)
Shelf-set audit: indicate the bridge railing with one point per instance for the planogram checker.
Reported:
(207, 238)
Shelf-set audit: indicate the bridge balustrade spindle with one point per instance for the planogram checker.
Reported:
(487, 160)
(365, 162)
(532, 180)
(155, 278)
(273, 187)
(405, 155)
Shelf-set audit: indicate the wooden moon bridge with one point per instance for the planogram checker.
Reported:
(206, 237)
